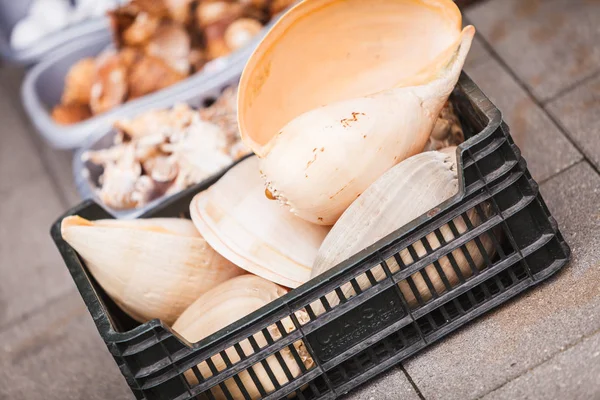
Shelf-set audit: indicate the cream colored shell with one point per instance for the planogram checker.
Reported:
(258, 235)
(152, 268)
(339, 91)
(405, 192)
(226, 304)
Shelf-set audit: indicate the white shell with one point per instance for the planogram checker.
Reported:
(402, 194)
(152, 268)
(257, 234)
(226, 304)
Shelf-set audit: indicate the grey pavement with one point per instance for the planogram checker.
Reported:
(539, 61)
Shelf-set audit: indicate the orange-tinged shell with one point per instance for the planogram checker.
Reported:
(66, 114)
(385, 69)
(172, 44)
(140, 31)
(149, 75)
(179, 10)
(240, 32)
(215, 12)
(110, 86)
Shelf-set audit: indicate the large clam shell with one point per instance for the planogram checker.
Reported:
(405, 192)
(339, 91)
(258, 235)
(224, 305)
(152, 268)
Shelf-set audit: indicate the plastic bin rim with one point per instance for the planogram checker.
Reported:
(54, 40)
(109, 334)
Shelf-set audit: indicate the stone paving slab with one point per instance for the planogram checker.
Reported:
(573, 374)
(58, 355)
(529, 330)
(579, 112)
(392, 385)
(31, 268)
(550, 44)
(543, 145)
(478, 53)
(57, 163)
(19, 162)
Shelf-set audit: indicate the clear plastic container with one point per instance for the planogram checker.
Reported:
(86, 174)
(43, 86)
(12, 11)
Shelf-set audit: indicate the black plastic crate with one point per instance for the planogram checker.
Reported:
(378, 327)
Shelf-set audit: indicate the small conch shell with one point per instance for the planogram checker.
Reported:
(405, 192)
(373, 78)
(258, 235)
(224, 305)
(152, 268)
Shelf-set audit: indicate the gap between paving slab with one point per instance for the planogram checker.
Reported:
(538, 102)
(550, 44)
(573, 373)
(578, 111)
(546, 149)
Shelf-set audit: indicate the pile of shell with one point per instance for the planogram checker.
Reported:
(157, 44)
(162, 152)
(347, 140)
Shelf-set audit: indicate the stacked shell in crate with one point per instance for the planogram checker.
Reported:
(353, 141)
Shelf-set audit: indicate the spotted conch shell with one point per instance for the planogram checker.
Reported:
(373, 77)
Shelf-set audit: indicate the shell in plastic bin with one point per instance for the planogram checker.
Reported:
(43, 87)
(86, 174)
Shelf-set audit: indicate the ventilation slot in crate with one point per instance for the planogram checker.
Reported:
(464, 259)
(363, 283)
(374, 355)
(280, 369)
(463, 304)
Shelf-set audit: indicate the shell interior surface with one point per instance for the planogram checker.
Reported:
(152, 268)
(360, 47)
(256, 234)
